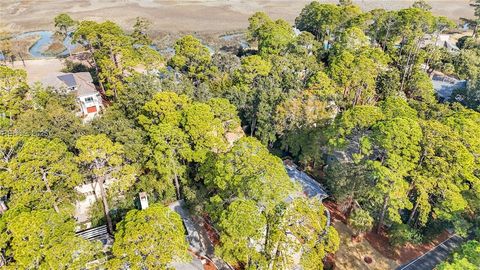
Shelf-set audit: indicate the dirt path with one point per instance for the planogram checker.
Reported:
(183, 15)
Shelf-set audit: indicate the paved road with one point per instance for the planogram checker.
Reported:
(440, 253)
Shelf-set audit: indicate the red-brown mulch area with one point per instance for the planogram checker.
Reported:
(380, 241)
(401, 254)
(212, 234)
(335, 213)
(209, 266)
(329, 261)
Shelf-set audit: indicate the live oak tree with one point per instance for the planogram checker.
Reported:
(243, 181)
(104, 160)
(241, 228)
(41, 174)
(51, 115)
(272, 37)
(149, 239)
(44, 239)
(183, 132)
(246, 171)
(466, 258)
(13, 89)
(192, 58)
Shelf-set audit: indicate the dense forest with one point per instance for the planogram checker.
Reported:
(348, 96)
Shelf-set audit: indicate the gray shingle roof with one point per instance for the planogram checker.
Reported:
(310, 187)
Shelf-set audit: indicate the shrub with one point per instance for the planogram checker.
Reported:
(360, 221)
(401, 234)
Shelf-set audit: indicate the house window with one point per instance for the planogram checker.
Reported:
(89, 99)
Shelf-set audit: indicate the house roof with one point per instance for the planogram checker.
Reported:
(444, 85)
(82, 81)
(311, 188)
(68, 79)
(99, 233)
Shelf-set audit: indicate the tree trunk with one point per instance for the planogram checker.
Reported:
(414, 211)
(358, 93)
(382, 214)
(386, 37)
(272, 261)
(177, 186)
(23, 60)
(405, 71)
(96, 67)
(106, 208)
(47, 185)
(253, 126)
(350, 206)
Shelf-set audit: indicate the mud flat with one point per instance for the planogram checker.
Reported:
(183, 15)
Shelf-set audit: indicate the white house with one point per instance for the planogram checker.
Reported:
(81, 84)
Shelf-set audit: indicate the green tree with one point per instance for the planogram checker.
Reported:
(272, 37)
(13, 89)
(64, 24)
(52, 116)
(466, 258)
(192, 58)
(123, 130)
(139, 89)
(42, 175)
(183, 132)
(43, 239)
(356, 73)
(149, 239)
(421, 4)
(319, 19)
(114, 54)
(241, 228)
(104, 160)
(140, 29)
(443, 174)
(247, 171)
(467, 64)
(308, 236)
(398, 140)
(360, 221)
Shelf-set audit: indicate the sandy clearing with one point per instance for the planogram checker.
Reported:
(183, 15)
(39, 68)
(351, 254)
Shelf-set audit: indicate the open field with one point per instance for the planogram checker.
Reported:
(183, 15)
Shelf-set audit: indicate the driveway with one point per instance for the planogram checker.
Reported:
(432, 258)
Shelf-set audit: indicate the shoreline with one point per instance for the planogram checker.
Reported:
(193, 16)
